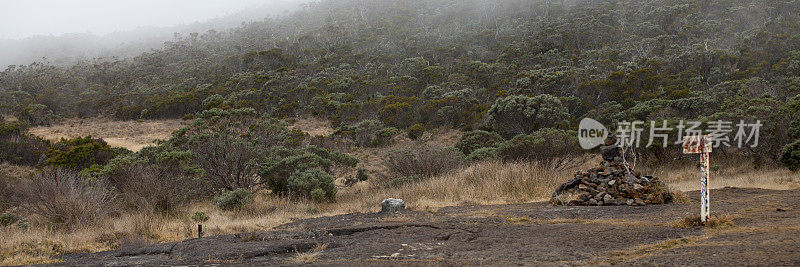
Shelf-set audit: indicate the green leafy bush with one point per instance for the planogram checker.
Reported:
(398, 111)
(367, 133)
(478, 139)
(790, 156)
(80, 153)
(416, 131)
(233, 199)
(313, 183)
(276, 172)
(483, 153)
(130, 112)
(794, 130)
(517, 114)
(362, 175)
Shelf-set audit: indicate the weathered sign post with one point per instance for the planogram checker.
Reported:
(701, 144)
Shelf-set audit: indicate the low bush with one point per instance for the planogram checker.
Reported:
(790, 156)
(484, 153)
(367, 133)
(425, 161)
(516, 114)
(384, 136)
(416, 131)
(275, 173)
(474, 140)
(233, 199)
(362, 175)
(80, 153)
(314, 184)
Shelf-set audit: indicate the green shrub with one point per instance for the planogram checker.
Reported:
(275, 173)
(8, 218)
(790, 156)
(367, 133)
(478, 139)
(384, 136)
(362, 175)
(80, 153)
(314, 184)
(483, 153)
(416, 131)
(318, 195)
(517, 114)
(130, 112)
(794, 130)
(398, 111)
(233, 199)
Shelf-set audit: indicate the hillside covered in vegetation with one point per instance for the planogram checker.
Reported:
(448, 62)
(418, 98)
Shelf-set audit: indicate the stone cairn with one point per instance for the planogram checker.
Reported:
(612, 182)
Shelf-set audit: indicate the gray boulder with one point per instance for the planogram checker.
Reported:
(392, 205)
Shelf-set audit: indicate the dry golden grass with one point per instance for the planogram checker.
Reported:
(310, 256)
(311, 125)
(733, 172)
(716, 222)
(133, 135)
(15, 171)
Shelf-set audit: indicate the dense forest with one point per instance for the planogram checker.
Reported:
(509, 70)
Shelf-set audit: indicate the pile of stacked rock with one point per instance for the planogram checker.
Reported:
(610, 183)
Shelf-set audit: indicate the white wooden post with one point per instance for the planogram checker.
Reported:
(705, 199)
(701, 145)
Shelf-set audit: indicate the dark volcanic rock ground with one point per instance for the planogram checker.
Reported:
(765, 231)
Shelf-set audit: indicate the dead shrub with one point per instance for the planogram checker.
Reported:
(424, 161)
(65, 199)
(144, 187)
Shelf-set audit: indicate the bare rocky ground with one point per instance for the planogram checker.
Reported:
(763, 229)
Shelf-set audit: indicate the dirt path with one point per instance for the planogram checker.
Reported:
(764, 229)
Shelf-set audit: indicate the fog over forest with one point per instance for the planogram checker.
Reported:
(62, 32)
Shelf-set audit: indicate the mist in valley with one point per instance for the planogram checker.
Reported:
(65, 32)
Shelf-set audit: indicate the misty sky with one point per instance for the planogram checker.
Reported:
(23, 18)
